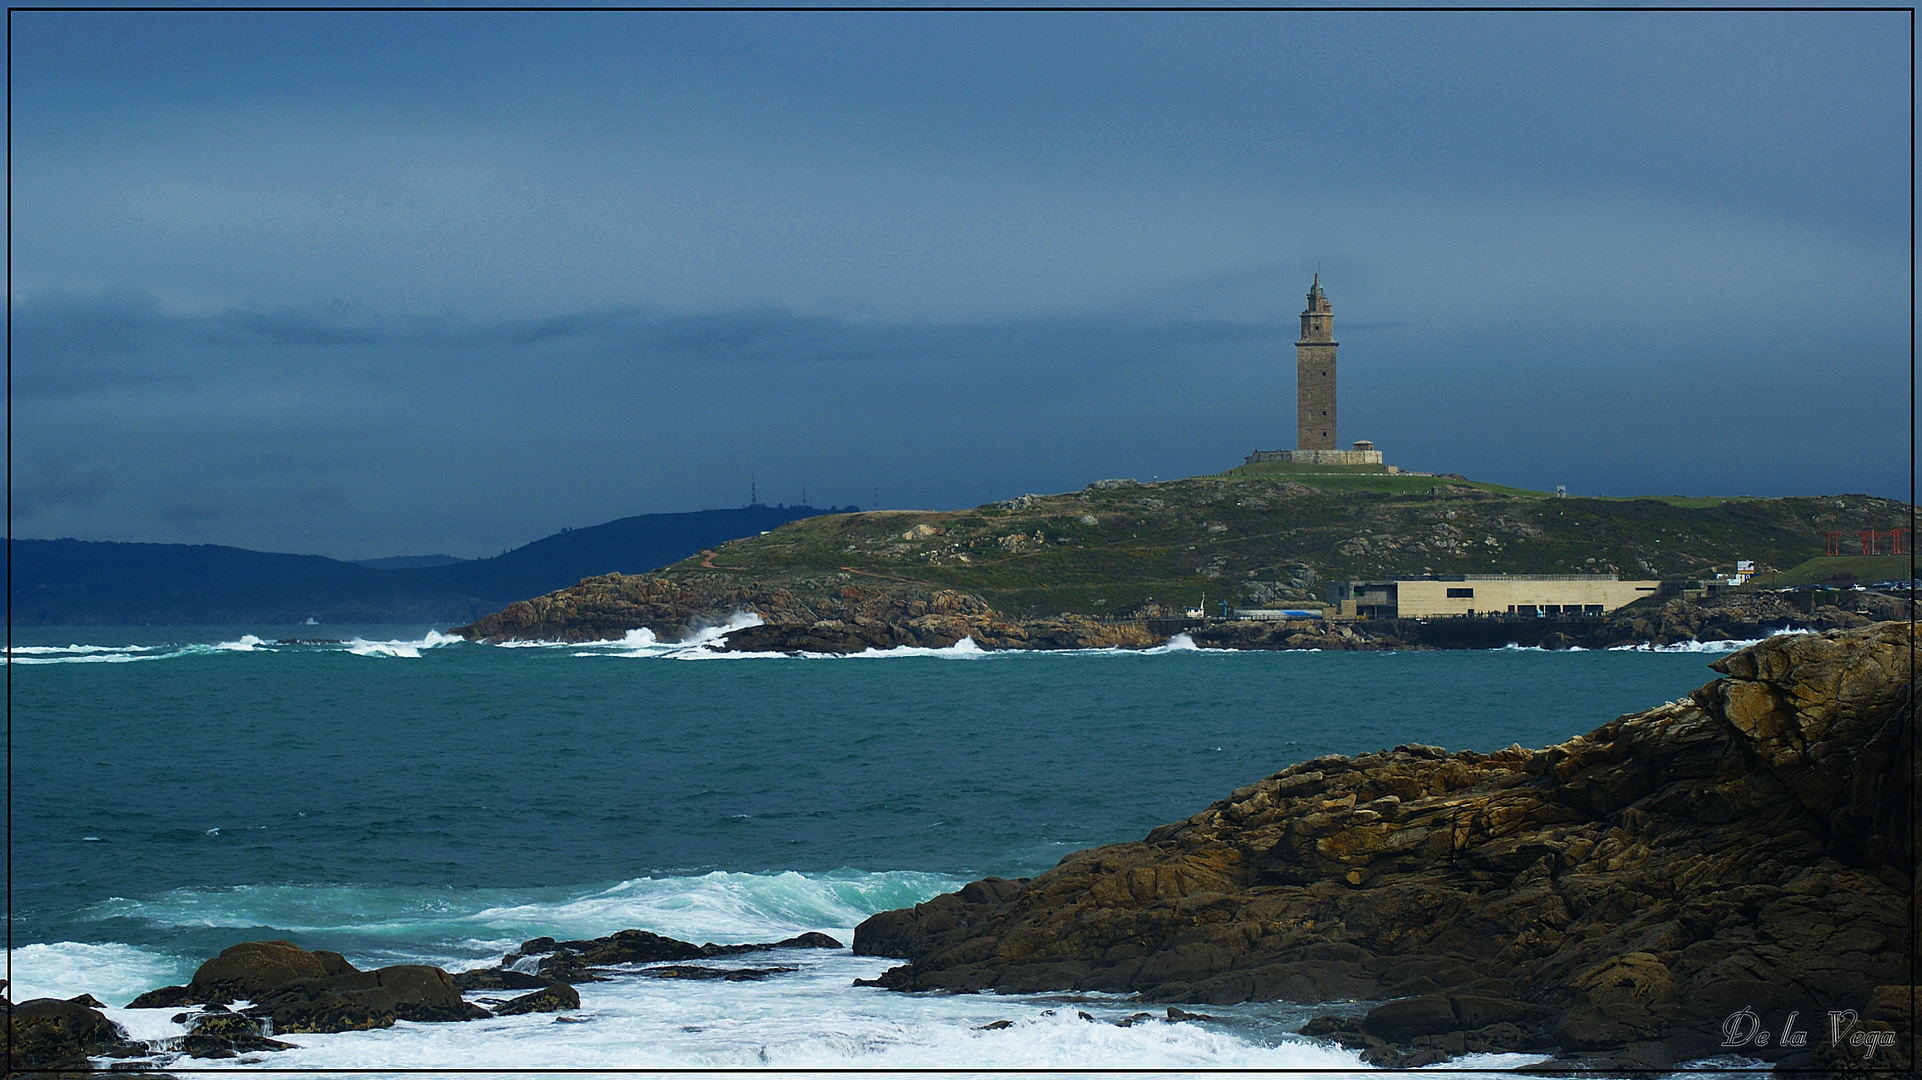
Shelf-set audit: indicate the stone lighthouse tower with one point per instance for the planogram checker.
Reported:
(1315, 374)
(1315, 399)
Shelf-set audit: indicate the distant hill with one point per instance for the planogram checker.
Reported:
(75, 582)
(407, 562)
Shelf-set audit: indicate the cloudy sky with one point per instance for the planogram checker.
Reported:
(368, 284)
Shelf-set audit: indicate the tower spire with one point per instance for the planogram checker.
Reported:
(1315, 373)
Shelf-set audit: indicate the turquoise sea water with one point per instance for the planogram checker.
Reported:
(398, 795)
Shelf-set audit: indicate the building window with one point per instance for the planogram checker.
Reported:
(1461, 594)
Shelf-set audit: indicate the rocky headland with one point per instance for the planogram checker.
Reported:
(1118, 563)
(1702, 878)
(889, 615)
(287, 991)
(853, 618)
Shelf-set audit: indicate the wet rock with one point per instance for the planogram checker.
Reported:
(333, 962)
(809, 940)
(366, 999)
(245, 971)
(325, 1013)
(548, 999)
(1402, 1021)
(50, 1034)
(1619, 894)
(577, 961)
(301, 991)
(497, 979)
(224, 1034)
(165, 997)
(694, 971)
(252, 968)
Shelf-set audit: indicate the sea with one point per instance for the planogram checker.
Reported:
(404, 796)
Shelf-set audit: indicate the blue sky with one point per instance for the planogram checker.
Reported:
(366, 284)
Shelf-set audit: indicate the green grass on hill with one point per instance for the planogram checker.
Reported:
(1826, 568)
(1362, 479)
(1692, 502)
(1265, 540)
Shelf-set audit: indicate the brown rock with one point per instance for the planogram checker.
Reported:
(250, 969)
(362, 999)
(50, 1034)
(1624, 891)
(551, 999)
(498, 979)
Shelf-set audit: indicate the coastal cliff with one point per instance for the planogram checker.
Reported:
(881, 613)
(1620, 898)
(853, 618)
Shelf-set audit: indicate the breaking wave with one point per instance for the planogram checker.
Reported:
(1733, 645)
(245, 643)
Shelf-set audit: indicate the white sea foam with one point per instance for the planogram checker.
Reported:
(95, 654)
(706, 644)
(408, 649)
(122, 654)
(644, 643)
(815, 1018)
(40, 650)
(1709, 646)
(724, 907)
(965, 649)
(1512, 647)
(811, 1017)
(246, 643)
(111, 971)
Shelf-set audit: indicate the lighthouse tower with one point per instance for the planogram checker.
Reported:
(1315, 399)
(1315, 374)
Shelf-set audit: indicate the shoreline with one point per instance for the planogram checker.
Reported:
(862, 620)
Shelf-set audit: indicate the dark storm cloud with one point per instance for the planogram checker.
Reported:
(125, 335)
(73, 343)
(483, 274)
(300, 424)
(53, 484)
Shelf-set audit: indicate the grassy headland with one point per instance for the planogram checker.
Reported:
(1256, 537)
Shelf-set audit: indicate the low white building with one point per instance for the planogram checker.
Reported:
(1528, 595)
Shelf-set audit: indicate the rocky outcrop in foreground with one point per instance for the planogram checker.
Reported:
(1742, 857)
(292, 991)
